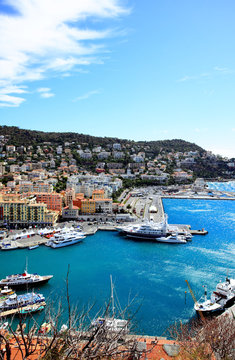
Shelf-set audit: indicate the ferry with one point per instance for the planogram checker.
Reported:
(222, 297)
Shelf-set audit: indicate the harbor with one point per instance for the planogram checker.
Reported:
(156, 273)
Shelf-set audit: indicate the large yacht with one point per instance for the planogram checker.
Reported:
(222, 297)
(24, 280)
(66, 238)
(148, 230)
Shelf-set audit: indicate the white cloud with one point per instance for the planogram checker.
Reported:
(43, 89)
(45, 92)
(10, 101)
(193, 77)
(47, 95)
(223, 70)
(88, 95)
(47, 36)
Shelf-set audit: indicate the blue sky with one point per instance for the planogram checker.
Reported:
(141, 70)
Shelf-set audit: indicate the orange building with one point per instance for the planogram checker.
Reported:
(53, 200)
(98, 194)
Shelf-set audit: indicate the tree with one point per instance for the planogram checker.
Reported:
(208, 340)
(77, 339)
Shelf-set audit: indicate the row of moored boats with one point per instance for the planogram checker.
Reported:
(57, 237)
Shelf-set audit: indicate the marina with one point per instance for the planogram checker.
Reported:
(154, 273)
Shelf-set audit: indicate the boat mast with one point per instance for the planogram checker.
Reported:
(26, 265)
(112, 297)
(205, 292)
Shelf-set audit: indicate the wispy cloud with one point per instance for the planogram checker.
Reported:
(45, 92)
(223, 70)
(44, 37)
(88, 95)
(207, 75)
(8, 100)
(193, 77)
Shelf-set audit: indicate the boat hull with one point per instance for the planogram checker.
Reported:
(28, 284)
(57, 246)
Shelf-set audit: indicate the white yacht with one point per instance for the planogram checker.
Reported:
(66, 238)
(146, 231)
(110, 322)
(24, 280)
(172, 239)
(222, 297)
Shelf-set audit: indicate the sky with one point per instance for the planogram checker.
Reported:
(132, 69)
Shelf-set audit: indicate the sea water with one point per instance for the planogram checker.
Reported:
(222, 186)
(150, 273)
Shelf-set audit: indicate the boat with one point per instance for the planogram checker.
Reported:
(25, 280)
(31, 309)
(33, 247)
(8, 246)
(172, 239)
(109, 321)
(66, 238)
(45, 328)
(146, 231)
(17, 302)
(222, 297)
(6, 291)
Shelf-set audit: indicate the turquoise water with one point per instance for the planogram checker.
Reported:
(155, 273)
(224, 186)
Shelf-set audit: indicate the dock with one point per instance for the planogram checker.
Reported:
(18, 310)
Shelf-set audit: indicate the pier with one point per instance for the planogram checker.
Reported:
(29, 308)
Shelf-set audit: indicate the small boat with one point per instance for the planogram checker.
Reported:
(6, 291)
(222, 297)
(8, 246)
(172, 239)
(33, 247)
(45, 328)
(31, 309)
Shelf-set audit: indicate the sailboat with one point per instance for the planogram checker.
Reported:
(109, 321)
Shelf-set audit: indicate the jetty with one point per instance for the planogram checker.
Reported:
(29, 308)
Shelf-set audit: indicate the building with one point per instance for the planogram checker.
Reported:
(53, 200)
(40, 186)
(70, 212)
(18, 211)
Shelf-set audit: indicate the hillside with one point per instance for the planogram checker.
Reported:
(24, 137)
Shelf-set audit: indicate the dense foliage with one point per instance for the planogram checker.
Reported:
(24, 137)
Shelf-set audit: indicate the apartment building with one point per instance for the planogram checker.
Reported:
(28, 186)
(15, 210)
(54, 201)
